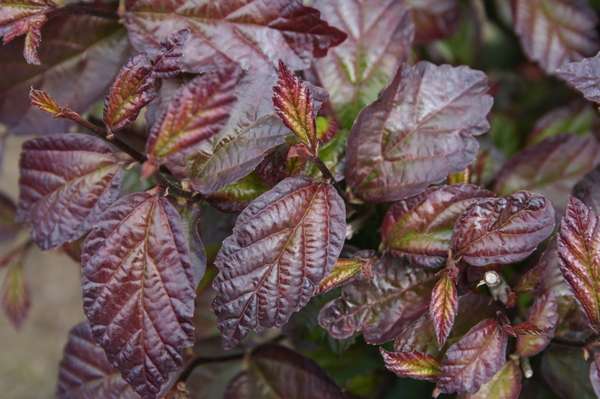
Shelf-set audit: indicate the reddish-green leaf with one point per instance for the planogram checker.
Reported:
(579, 252)
(553, 32)
(551, 167)
(15, 294)
(345, 271)
(474, 359)
(506, 384)
(250, 32)
(543, 315)
(578, 118)
(9, 226)
(379, 38)
(236, 196)
(379, 308)
(434, 19)
(503, 230)
(443, 307)
(418, 131)
(66, 182)
(420, 227)
(85, 372)
(293, 102)
(282, 245)
(275, 372)
(139, 289)
(412, 365)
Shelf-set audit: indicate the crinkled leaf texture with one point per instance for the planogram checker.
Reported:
(443, 307)
(81, 55)
(379, 38)
(553, 32)
(420, 227)
(551, 167)
(139, 289)
(474, 359)
(282, 245)
(583, 75)
(418, 131)
(252, 33)
(415, 365)
(506, 384)
(579, 253)
(380, 307)
(85, 372)
(276, 372)
(66, 182)
(503, 230)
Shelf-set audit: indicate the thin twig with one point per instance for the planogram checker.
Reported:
(328, 175)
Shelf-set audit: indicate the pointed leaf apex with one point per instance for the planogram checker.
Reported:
(43, 101)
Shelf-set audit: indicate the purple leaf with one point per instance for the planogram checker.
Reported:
(139, 289)
(588, 190)
(434, 19)
(418, 131)
(66, 182)
(282, 245)
(503, 230)
(543, 315)
(583, 75)
(506, 384)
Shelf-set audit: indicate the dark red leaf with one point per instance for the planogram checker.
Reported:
(420, 227)
(553, 32)
(503, 230)
(380, 307)
(412, 365)
(543, 315)
(139, 289)
(506, 384)
(434, 19)
(85, 372)
(474, 359)
(550, 168)
(282, 245)
(15, 292)
(275, 372)
(9, 226)
(443, 307)
(66, 182)
(579, 249)
(418, 131)
(250, 32)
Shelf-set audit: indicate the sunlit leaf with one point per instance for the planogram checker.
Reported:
(412, 364)
(138, 289)
(503, 230)
(282, 245)
(443, 307)
(345, 271)
(418, 131)
(506, 384)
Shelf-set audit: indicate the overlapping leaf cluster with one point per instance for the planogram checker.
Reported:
(304, 181)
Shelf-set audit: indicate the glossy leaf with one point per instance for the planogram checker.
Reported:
(138, 289)
(15, 292)
(474, 359)
(282, 245)
(578, 250)
(503, 230)
(275, 372)
(551, 167)
(434, 19)
(293, 103)
(543, 315)
(443, 307)
(553, 32)
(397, 294)
(379, 38)
(249, 32)
(66, 182)
(345, 271)
(412, 365)
(9, 226)
(418, 131)
(506, 384)
(588, 190)
(85, 372)
(420, 227)
(80, 57)
(583, 75)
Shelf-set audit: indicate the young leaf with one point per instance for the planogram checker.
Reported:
(578, 250)
(379, 38)
(15, 290)
(66, 182)
(418, 131)
(345, 271)
(503, 230)
(294, 104)
(277, 372)
(553, 32)
(506, 384)
(550, 168)
(269, 30)
(85, 372)
(412, 365)
(282, 245)
(434, 19)
(80, 57)
(9, 226)
(443, 307)
(397, 294)
(139, 288)
(420, 227)
(543, 315)
(474, 359)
